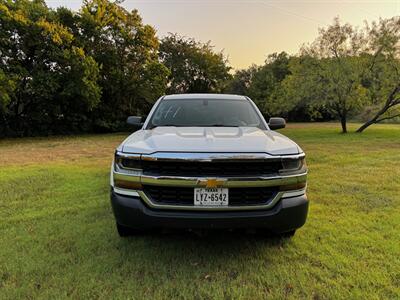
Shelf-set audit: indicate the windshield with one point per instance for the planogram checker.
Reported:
(205, 113)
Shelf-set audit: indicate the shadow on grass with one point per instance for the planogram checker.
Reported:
(211, 250)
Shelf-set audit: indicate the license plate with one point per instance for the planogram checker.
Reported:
(211, 197)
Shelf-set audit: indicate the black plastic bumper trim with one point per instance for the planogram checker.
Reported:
(288, 214)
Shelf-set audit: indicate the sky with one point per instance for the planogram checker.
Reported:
(248, 30)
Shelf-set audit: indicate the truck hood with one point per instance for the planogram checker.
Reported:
(208, 139)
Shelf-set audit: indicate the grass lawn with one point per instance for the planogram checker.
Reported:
(58, 240)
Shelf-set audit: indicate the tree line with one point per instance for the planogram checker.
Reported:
(64, 72)
(346, 72)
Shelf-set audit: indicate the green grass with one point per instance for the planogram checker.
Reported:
(58, 240)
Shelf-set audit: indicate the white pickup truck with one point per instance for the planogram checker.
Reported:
(208, 161)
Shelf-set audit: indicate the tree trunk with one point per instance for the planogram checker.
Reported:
(375, 119)
(377, 115)
(390, 102)
(367, 124)
(343, 121)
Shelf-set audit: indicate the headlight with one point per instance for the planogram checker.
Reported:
(128, 164)
(293, 165)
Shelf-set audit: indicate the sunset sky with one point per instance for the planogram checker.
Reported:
(247, 31)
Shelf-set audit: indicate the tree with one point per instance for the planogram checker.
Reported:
(263, 83)
(241, 81)
(194, 66)
(7, 86)
(383, 76)
(300, 91)
(130, 75)
(48, 77)
(346, 69)
(266, 85)
(265, 88)
(329, 70)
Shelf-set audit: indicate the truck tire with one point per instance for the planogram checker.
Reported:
(286, 235)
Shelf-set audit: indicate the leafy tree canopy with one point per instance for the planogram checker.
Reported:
(382, 78)
(194, 66)
(131, 76)
(49, 78)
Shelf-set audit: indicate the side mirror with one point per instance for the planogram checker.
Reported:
(276, 123)
(134, 121)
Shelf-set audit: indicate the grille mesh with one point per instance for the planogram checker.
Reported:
(185, 196)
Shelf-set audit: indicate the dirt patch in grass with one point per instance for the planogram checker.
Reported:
(63, 149)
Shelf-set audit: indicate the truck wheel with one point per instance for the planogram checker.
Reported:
(124, 231)
(286, 235)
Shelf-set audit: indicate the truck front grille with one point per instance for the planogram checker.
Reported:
(197, 169)
(185, 196)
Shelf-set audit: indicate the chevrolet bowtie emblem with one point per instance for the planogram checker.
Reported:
(211, 183)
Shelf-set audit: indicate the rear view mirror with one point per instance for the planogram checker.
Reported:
(135, 121)
(276, 123)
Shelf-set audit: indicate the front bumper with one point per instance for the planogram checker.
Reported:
(290, 186)
(288, 214)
